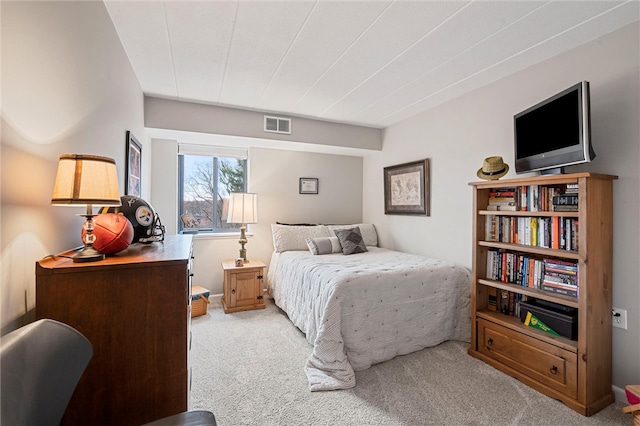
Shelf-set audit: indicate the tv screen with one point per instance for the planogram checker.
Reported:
(555, 132)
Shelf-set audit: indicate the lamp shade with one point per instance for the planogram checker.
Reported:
(86, 179)
(243, 208)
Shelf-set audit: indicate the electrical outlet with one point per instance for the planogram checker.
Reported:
(619, 318)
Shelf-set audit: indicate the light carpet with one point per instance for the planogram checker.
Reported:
(248, 370)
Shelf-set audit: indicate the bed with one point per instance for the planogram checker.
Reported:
(367, 307)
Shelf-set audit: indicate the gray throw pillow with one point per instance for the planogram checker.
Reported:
(351, 240)
(324, 245)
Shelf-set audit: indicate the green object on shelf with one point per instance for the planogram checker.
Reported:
(532, 321)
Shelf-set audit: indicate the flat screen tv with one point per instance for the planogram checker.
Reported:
(555, 132)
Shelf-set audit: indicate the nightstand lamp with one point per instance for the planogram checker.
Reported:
(86, 180)
(243, 209)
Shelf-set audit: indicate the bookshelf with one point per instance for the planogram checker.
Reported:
(576, 371)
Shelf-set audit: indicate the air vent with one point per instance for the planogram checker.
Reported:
(277, 125)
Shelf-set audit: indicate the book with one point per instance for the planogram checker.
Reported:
(533, 321)
(502, 193)
(504, 301)
(569, 284)
(555, 278)
(572, 188)
(555, 232)
(502, 207)
(560, 290)
(559, 200)
(565, 208)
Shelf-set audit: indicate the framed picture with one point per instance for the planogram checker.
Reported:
(133, 172)
(308, 185)
(406, 188)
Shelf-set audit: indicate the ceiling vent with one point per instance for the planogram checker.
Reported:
(277, 125)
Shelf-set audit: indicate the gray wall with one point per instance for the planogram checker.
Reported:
(177, 115)
(67, 87)
(458, 135)
(274, 175)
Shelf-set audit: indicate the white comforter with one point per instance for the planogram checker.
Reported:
(366, 308)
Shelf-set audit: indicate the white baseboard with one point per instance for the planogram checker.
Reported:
(621, 395)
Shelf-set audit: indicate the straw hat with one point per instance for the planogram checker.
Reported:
(493, 168)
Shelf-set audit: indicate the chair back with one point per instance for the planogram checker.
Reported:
(41, 364)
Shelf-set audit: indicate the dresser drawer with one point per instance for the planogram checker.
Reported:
(546, 363)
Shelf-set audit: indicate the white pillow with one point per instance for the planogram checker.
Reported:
(324, 245)
(368, 231)
(292, 238)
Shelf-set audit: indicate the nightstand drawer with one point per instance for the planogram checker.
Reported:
(539, 360)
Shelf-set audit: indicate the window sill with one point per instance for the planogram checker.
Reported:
(217, 235)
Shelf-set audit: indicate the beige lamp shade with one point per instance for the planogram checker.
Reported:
(243, 208)
(86, 179)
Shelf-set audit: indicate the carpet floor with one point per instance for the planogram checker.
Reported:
(248, 370)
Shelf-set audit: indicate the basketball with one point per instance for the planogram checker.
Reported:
(113, 233)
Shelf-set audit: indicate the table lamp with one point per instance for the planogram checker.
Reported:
(86, 180)
(243, 209)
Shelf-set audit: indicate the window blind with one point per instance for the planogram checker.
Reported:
(214, 151)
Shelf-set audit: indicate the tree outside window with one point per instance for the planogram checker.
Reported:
(205, 184)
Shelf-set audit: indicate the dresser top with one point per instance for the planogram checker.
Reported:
(174, 248)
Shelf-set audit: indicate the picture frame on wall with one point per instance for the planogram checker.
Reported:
(308, 185)
(133, 168)
(406, 188)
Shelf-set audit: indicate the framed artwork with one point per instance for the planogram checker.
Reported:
(133, 175)
(308, 185)
(406, 188)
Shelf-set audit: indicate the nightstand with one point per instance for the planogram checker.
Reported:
(243, 286)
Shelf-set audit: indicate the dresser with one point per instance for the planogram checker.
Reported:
(134, 307)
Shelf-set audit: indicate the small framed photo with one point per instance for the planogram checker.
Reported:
(406, 188)
(308, 185)
(133, 172)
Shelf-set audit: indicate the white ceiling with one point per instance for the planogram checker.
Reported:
(370, 63)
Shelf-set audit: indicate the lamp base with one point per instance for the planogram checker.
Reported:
(243, 241)
(88, 254)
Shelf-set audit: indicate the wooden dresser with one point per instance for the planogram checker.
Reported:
(134, 307)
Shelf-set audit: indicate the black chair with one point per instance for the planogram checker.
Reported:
(41, 364)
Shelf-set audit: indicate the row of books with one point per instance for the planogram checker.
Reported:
(505, 302)
(534, 198)
(548, 232)
(554, 275)
(560, 277)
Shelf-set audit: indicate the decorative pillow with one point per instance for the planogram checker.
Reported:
(289, 238)
(324, 245)
(368, 231)
(351, 240)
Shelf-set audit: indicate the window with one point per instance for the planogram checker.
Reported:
(207, 175)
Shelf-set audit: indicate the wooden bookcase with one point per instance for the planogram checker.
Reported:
(576, 372)
(134, 307)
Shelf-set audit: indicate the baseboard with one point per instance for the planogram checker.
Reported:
(621, 395)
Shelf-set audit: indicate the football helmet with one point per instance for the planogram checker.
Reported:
(147, 226)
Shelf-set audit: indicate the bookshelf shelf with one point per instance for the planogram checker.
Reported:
(533, 292)
(521, 248)
(526, 213)
(576, 372)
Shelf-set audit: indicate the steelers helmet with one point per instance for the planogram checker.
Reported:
(147, 226)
